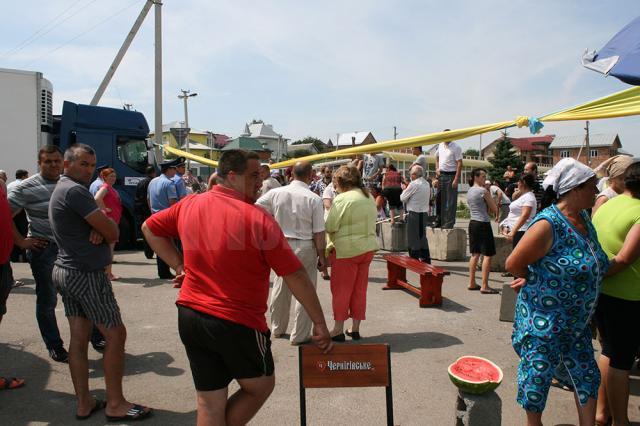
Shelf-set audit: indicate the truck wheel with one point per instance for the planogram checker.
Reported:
(126, 240)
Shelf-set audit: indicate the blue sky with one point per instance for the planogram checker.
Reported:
(317, 69)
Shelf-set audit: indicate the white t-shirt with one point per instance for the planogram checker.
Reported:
(448, 156)
(527, 199)
(329, 193)
(296, 208)
(493, 189)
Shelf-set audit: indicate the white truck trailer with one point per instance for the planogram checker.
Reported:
(26, 119)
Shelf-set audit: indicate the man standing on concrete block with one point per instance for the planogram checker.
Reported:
(300, 214)
(416, 198)
(448, 171)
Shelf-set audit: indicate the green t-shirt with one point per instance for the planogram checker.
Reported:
(613, 220)
(351, 224)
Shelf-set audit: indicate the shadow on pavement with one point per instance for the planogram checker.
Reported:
(128, 262)
(146, 282)
(152, 362)
(33, 402)
(406, 342)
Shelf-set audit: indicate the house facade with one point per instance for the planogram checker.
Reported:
(201, 142)
(347, 140)
(601, 148)
(265, 135)
(533, 149)
(250, 144)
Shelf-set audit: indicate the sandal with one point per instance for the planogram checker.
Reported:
(355, 335)
(473, 288)
(490, 291)
(11, 383)
(99, 405)
(135, 413)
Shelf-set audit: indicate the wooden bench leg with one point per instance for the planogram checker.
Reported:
(394, 273)
(431, 291)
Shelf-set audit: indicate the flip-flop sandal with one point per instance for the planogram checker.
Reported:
(473, 288)
(11, 383)
(135, 413)
(100, 404)
(490, 291)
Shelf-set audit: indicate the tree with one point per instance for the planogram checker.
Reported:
(504, 156)
(472, 153)
(299, 153)
(317, 143)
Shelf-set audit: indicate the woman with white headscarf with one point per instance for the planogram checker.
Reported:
(559, 266)
(613, 169)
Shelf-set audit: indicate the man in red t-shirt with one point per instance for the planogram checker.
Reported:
(230, 247)
(6, 276)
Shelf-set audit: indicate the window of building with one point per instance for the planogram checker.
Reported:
(564, 154)
(593, 152)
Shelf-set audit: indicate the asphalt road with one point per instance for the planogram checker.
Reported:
(423, 343)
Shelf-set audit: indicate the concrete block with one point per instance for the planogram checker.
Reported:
(478, 410)
(392, 237)
(507, 303)
(503, 250)
(447, 244)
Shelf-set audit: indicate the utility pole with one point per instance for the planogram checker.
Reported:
(395, 133)
(186, 94)
(480, 152)
(127, 106)
(123, 49)
(158, 72)
(586, 143)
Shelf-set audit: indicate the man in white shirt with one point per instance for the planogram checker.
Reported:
(268, 182)
(300, 214)
(416, 199)
(448, 170)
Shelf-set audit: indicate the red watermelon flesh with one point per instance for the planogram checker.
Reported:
(475, 375)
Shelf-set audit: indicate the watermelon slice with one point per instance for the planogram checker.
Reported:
(475, 375)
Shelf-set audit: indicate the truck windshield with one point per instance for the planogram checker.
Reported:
(133, 152)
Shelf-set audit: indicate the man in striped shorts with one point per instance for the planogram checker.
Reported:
(83, 233)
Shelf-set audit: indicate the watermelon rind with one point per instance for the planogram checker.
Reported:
(475, 388)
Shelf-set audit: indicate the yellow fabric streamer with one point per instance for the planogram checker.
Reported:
(620, 104)
(190, 156)
(522, 121)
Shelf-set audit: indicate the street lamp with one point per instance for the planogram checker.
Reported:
(186, 94)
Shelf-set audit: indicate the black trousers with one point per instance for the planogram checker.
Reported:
(164, 271)
(417, 236)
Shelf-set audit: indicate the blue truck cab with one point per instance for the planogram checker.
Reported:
(119, 138)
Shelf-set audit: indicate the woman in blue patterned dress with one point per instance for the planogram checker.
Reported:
(560, 266)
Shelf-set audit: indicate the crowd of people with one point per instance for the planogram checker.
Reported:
(575, 260)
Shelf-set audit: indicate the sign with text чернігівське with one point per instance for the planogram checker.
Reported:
(345, 366)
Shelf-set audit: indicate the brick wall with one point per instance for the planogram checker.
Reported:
(603, 153)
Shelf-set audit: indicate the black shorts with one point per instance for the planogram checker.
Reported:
(481, 238)
(6, 283)
(220, 350)
(393, 197)
(617, 321)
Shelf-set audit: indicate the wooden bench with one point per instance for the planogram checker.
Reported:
(431, 277)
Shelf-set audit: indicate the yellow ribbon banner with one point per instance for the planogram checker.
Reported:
(190, 156)
(620, 104)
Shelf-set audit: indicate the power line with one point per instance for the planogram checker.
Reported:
(84, 32)
(49, 27)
